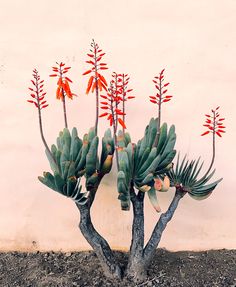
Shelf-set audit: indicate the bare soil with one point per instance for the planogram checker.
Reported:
(195, 269)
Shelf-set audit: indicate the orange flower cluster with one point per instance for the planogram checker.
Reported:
(63, 87)
(96, 80)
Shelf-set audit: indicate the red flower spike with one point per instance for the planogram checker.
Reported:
(117, 94)
(38, 94)
(162, 90)
(215, 125)
(63, 86)
(98, 82)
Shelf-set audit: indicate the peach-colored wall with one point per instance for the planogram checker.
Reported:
(194, 40)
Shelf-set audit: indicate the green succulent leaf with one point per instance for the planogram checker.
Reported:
(91, 158)
(140, 163)
(123, 190)
(152, 194)
(48, 180)
(185, 175)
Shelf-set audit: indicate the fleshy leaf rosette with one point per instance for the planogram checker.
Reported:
(145, 165)
(185, 177)
(74, 158)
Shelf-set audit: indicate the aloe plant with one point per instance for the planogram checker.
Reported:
(145, 167)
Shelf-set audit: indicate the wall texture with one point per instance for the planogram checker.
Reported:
(194, 40)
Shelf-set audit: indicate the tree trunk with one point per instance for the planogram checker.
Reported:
(135, 268)
(140, 258)
(99, 244)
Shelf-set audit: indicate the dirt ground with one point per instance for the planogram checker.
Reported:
(195, 269)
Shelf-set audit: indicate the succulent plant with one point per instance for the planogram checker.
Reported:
(145, 167)
(140, 165)
(73, 158)
(185, 178)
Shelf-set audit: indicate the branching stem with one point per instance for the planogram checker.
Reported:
(155, 238)
(99, 244)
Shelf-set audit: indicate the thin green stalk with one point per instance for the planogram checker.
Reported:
(123, 108)
(97, 105)
(159, 112)
(41, 124)
(115, 136)
(41, 132)
(96, 88)
(64, 102)
(64, 108)
(116, 103)
(213, 145)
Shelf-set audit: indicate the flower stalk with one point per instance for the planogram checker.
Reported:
(40, 103)
(215, 126)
